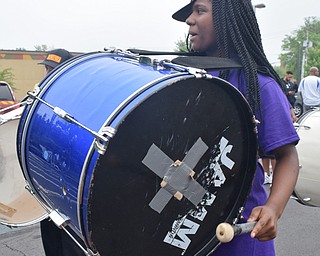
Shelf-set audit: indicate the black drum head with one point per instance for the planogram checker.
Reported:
(129, 213)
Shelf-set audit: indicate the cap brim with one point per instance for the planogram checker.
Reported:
(49, 63)
(183, 13)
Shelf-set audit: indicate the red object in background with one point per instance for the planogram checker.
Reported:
(7, 97)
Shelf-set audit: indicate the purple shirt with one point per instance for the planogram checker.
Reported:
(275, 130)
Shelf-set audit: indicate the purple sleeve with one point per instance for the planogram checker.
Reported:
(276, 128)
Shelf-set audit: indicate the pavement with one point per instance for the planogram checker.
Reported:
(298, 235)
(24, 241)
(298, 231)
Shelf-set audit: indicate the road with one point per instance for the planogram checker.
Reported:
(21, 241)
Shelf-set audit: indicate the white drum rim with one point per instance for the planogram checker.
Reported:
(305, 195)
(13, 214)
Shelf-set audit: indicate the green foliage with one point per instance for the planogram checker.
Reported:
(293, 47)
(7, 76)
(280, 71)
(181, 45)
(41, 48)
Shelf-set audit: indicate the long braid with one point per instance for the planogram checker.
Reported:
(238, 30)
(222, 38)
(250, 68)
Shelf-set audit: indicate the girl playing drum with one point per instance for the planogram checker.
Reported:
(229, 29)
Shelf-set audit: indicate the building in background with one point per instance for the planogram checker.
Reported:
(25, 68)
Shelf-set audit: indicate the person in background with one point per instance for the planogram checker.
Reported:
(54, 58)
(229, 29)
(291, 87)
(56, 242)
(268, 164)
(309, 88)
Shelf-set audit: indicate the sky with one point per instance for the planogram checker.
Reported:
(88, 26)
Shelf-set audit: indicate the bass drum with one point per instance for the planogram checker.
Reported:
(17, 206)
(135, 198)
(308, 185)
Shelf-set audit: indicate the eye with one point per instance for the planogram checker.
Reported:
(200, 9)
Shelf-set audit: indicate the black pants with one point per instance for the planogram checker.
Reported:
(57, 242)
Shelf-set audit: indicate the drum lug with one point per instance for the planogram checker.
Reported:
(32, 95)
(100, 147)
(197, 72)
(58, 219)
(91, 253)
(256, 122)
(105, 132)
(235, 220)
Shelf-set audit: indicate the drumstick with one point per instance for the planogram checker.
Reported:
(226, 232)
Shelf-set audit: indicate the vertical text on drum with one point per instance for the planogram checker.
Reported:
(181, 227)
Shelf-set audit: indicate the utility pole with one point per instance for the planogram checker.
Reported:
(306, 44)
(299, 61)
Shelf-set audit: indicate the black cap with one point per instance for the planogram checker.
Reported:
(56, 57)
(184, 12)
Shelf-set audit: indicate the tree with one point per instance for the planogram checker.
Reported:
(303, 44)
(7, 76)
(181, 45)
(281, 72)
(41, 48)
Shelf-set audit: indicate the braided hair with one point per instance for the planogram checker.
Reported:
(237, 32)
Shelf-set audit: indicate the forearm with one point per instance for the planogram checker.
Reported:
(285, 176)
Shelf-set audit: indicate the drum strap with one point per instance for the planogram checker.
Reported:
(208, 63)
(196, 60)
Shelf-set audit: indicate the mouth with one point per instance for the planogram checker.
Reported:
(192, 35)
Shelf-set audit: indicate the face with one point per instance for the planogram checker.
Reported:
(289, 77)
(48, 69)
(314, 71)
(201, 29)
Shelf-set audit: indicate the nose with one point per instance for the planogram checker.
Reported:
(190, 20)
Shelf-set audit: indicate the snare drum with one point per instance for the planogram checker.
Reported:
(307, 188)
(138, 159)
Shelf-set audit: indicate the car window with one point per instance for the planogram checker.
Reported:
(5, 93)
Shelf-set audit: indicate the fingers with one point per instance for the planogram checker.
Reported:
(265, 228)
(254, 216)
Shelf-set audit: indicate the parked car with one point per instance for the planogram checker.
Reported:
(7, 97)
(298, 110)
